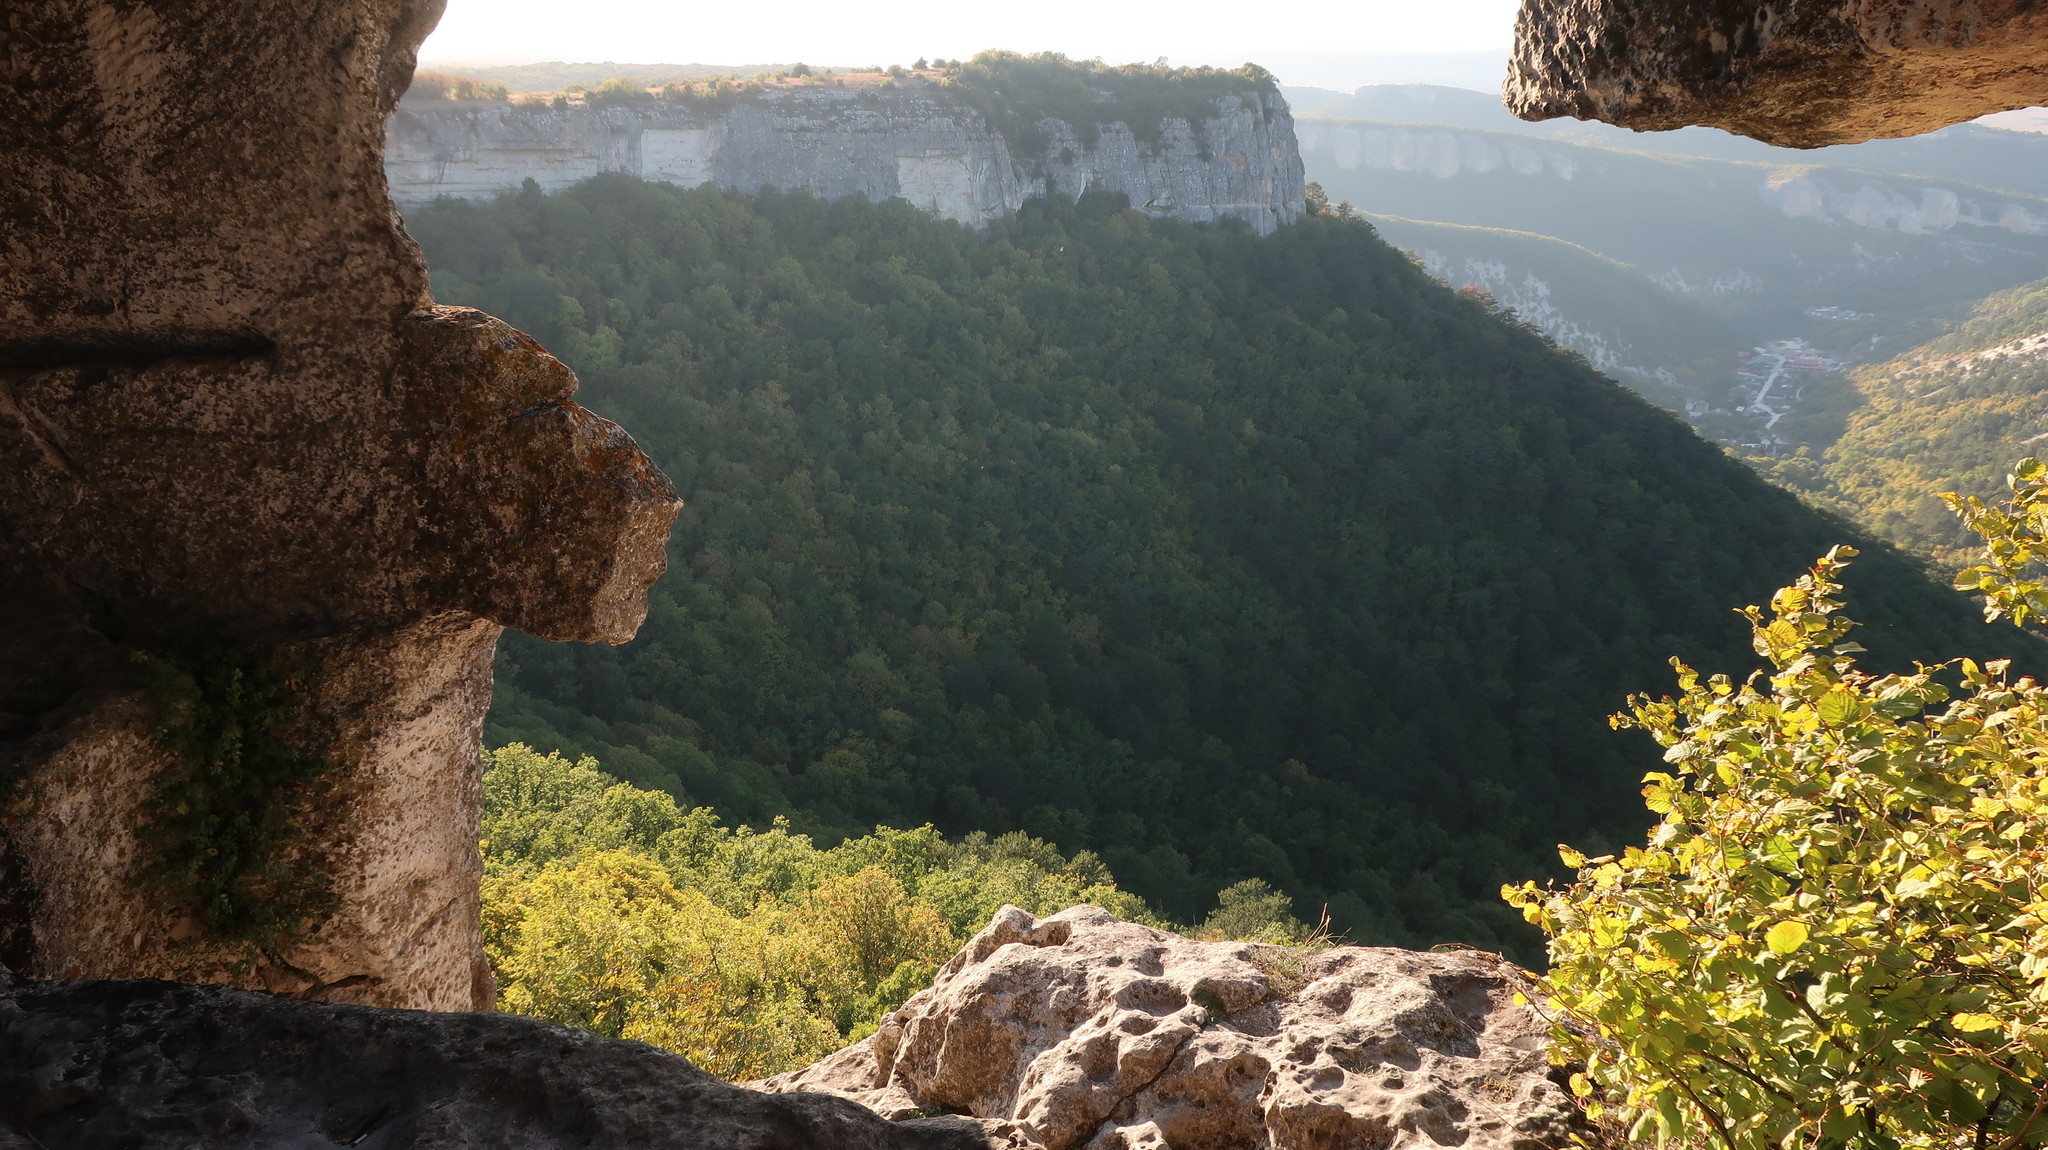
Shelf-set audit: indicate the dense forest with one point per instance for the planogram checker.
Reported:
(1219, 556)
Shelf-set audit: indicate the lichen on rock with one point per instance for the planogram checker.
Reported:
(1081, 1030)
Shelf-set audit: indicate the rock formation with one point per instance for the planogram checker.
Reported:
(227, 403)
(1799, 74)
(1080, 1030)
(157, 1066)
(935, 151)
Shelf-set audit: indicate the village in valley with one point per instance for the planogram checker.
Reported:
(1769, 383)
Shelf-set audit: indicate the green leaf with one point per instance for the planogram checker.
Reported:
(1839, 707)
(1786, 937)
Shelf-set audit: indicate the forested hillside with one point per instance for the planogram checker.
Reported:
(1221, 556)
(1950, 415)
(1659, 342)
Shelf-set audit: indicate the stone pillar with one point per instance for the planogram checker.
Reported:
(229, 405)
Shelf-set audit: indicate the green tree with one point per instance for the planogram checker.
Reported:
(607, 907)
(1253, 910)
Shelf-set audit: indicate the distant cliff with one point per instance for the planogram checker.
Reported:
(930, 144)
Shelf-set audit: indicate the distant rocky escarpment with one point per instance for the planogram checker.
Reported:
(1235, 159)
(1080, 1030)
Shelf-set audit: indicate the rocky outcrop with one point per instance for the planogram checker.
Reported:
(157, 1066)
(227, 402)
(935, 151)
(1080, 1030)
(1803, 75)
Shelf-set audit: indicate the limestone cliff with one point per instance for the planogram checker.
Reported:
(917, 142)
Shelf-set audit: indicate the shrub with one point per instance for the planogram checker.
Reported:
(1838, 930)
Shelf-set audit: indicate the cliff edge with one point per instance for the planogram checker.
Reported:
(151, 1065)
(1227, 156)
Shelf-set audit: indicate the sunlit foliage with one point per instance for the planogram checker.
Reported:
(610, 908)
(1837, 933)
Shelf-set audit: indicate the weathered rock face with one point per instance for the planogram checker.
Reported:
(227, 399)
(149, 1065)
(1800, 74)
(1079, 1030)
(936, 152)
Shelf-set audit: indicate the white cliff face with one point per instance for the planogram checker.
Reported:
(937, 153)
(1913, 211)
(1440, 153)
(1529, 296)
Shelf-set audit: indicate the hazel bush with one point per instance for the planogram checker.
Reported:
(1837, 931)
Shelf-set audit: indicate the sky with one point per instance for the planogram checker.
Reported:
(1323, 47)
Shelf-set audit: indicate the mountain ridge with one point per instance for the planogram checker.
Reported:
(968, 143)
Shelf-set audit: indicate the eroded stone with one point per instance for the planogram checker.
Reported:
(1080, 1030)
(227, 400)
(1802, 75)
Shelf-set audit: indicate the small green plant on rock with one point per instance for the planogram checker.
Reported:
(1837, 933)
(221, 824)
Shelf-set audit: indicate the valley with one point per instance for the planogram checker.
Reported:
(1125, 605)
(1665, 257)
(1223, 564)
(1223, 556)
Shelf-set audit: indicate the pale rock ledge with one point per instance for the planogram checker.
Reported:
(938, 153)
(1081, 1030)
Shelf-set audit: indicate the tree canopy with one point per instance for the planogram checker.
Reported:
(609, 907)
(1224, 557)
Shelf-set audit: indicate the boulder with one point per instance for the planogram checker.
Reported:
(229, 404)
(1797, 73)
(1081, 1030)
(146, 1065)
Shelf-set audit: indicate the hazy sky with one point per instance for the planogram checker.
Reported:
(835, 32)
